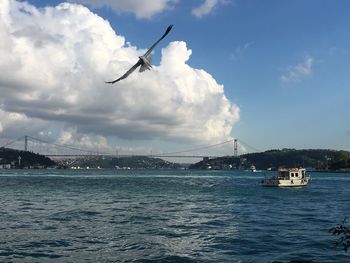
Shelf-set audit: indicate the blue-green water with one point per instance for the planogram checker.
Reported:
(167, 216)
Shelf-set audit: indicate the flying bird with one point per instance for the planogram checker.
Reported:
(144, 60)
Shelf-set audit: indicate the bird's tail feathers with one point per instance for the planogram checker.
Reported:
(145, 67)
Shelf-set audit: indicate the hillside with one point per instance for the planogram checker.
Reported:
(273, 159)
(23, 159)
(134, 162)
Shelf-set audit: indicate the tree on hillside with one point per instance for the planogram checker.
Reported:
(341, 160)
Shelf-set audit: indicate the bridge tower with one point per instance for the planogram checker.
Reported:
(235, 148)
(26, 143)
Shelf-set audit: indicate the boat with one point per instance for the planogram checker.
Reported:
(252, 168)
(291, 177)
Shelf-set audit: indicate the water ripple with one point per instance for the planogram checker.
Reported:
(170, 216)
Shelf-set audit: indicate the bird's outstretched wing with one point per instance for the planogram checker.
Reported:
(163, 36)
(131, 70)
(146, 55)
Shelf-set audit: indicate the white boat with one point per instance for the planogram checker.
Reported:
(252, 168)
(293, 177)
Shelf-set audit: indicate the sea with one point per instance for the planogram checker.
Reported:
(168, 216)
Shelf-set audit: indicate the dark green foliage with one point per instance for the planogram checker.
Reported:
(28, 159)
(135, 162)
(341, 160)
(291, 158)
(343, 233)
(316, 159)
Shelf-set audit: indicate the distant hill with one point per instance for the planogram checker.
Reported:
(333, 160)
(133, 162)
(273, 159)
(10, 158)
(23, 159)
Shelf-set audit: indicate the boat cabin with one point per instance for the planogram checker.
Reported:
(288, 178)
(297, 173)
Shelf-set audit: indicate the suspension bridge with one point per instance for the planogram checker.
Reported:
(55, 150)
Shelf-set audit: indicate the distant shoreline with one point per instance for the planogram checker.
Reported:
(330, 171)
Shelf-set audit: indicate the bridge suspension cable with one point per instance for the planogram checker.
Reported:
(94, 152)
(11, 142)
(71, 147)
(248, 146)
(196, 149)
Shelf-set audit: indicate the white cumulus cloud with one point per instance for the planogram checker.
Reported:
(54, 62)
(141, 8)
(207, 7)
(15, 125)
(70, 136)
(299, 71)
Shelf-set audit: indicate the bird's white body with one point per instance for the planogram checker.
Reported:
(144, 60)
(146, 63)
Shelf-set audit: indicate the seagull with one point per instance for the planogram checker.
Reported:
(144, 60)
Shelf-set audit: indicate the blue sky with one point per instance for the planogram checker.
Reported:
(284, 64)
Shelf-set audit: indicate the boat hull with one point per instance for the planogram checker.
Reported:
(276, 182)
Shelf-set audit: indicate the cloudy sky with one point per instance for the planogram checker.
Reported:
(273, 73)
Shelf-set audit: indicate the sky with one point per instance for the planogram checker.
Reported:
(274, 74)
